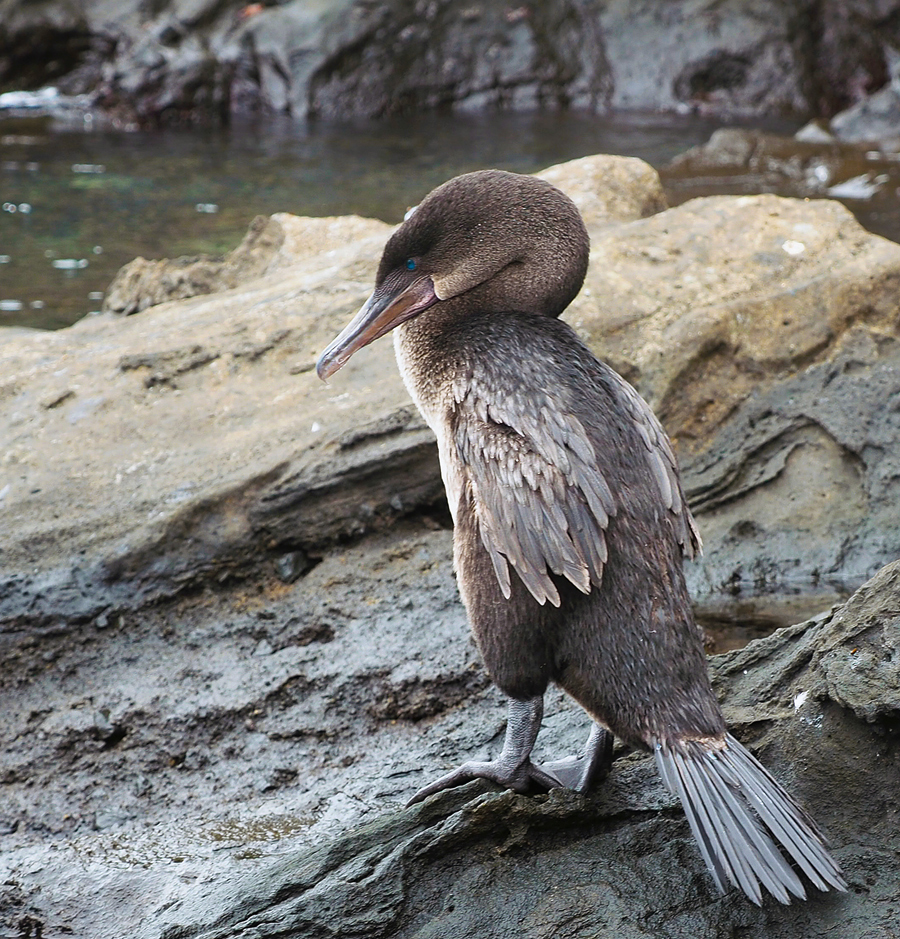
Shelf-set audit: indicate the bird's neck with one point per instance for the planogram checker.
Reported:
(429, 354)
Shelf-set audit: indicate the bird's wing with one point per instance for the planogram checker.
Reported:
(662, 464)
(540, 499)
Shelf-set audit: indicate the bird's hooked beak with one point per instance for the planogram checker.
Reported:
(385, 309)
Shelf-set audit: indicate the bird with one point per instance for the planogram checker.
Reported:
(571, 525)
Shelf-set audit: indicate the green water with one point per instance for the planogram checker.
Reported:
(77, 205)
(92, 201)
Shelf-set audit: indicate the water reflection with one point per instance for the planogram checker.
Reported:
(730, 622)
(99, 199)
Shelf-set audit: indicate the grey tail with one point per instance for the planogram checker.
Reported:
(737, 813)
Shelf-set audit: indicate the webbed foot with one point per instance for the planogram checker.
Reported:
(513, 768)
(582, 773)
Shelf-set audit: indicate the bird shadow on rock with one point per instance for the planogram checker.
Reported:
(818, 702)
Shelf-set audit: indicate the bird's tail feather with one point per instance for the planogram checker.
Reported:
(737, 812)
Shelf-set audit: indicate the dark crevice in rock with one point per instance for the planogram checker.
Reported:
(720, 70)
(417, 699)
(44, 55)
(165, 366)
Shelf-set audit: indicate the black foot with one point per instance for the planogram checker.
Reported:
(525, 777)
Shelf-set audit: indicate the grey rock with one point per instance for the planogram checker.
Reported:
(874, 120)
(809, 453)
(812, 163)
(292, 565)
(813, 132)
(620, 862)
(195, 824)
(181, 61)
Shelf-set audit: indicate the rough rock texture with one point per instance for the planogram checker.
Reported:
(820, 702)
(812, 164)
(718, 298)
(806, 455)
(203, 59)
(235, 765)
(212, 443)
(271, 244)
(764, 332)
(196, 59)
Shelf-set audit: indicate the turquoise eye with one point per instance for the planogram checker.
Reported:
(411, 264)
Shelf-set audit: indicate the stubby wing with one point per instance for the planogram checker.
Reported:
(541, 502)
(662, 464)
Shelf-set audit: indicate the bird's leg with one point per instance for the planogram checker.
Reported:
(582, 773)
(513, 768)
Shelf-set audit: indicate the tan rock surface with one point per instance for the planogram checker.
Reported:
(708, 302)
(609, 189)
(122, 439)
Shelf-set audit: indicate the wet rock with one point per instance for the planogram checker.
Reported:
(185, 61)
(474, 861)
(813, 163)
(875, 119)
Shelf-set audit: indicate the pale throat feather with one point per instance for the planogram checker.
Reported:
(433, 406)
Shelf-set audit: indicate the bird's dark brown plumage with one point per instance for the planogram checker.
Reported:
(570, 523)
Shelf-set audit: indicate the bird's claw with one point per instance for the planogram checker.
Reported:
(525, 777)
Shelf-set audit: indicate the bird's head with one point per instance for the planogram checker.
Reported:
(504, 242)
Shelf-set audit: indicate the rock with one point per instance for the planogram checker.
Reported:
(609, 189)
(202, 60)
(733, 315)
(502, 864)
(718, 298)
(813, 132)
(161, 780)
(270, 244)
(809, 164)
(186, 61)
(811, 460)
(875, 119)
(763, 327)
(817, 701)
(743, 57)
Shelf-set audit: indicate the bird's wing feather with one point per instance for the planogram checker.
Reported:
(662, 464)
(541, 502)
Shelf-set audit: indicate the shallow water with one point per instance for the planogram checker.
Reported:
(77, 205)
